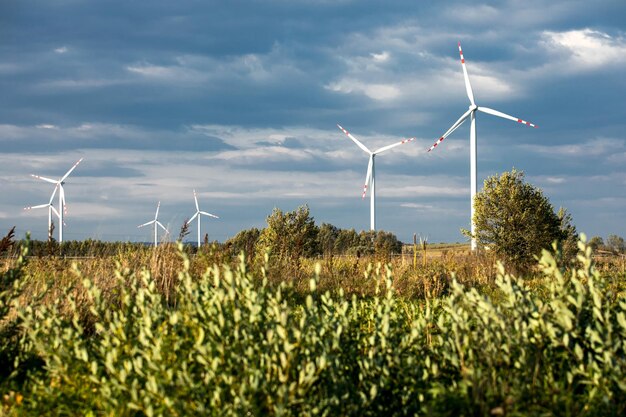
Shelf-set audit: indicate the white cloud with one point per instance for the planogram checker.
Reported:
(80, 83)
(426, 190)
(61, 50)
(418, 206)
(555, 180)
(174, 73)
(594, 147)
(381, 57)
(381, 92)
(476, 13)
(265, 155)
(435, 209)
(586, 49)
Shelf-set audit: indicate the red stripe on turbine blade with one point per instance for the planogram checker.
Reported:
(436, 143)
(526, 123)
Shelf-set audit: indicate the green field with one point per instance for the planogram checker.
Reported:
(174, 332)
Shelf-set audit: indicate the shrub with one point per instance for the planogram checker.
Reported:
(516, 220)
(233, 345)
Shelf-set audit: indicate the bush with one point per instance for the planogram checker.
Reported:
(616, 244)
(517, 221)
(232, 345)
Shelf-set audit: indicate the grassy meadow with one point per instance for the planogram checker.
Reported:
(175, 331)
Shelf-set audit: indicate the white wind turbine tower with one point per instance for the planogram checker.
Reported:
(62, 207)
(51, 209)
(370, 177)
(199, 214)
(156, 224)
(471, 114)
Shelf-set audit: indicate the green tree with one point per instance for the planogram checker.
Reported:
(346, 239)
(244, 241)
(569, 235)
(385, 245)
(326, 238)
(288, 237)
(515, 219)
(615, 244)
(596, 243)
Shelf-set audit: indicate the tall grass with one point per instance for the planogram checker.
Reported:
(230, 341)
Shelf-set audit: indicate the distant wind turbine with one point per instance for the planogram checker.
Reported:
(199, 214)
(370, 177)
(62, 207)
(51, 209)
(471, 114)
(156, 223)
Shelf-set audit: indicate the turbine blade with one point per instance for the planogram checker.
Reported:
(193, 217)
(55, 212)
(146, 224)
(39, 177)
(67, 174)
(54, 193)
(468, 86)
(454, 127)
(208, 214)
(195, 197)
(359, 144)
(162, 227)
(156, 215)
(36, 207)
(386, 148)
(504, 116)
(368, 176)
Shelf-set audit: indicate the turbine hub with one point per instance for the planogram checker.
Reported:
(473, 107)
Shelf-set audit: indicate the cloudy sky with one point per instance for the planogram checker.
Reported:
(240, 100)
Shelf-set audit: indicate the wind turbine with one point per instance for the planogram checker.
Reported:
(199, 214)
(156, 223)
(370, 177)
(51, 209)
(471, 114)
(62, 207)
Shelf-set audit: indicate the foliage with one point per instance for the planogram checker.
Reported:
(569, 235)
(616, 244)
(244, 241)
(516, 220)
(184, 230)
(347, 239)
(8, 241)
(326, 238)
(287, 238)
(596, 243)
(231, 344)
(12, 284)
